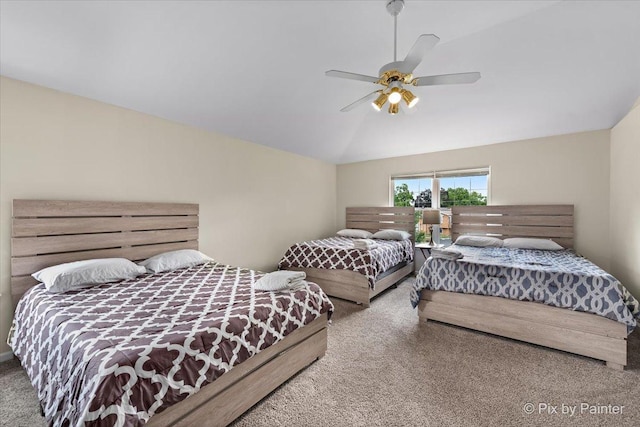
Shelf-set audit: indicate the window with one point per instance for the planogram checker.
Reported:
(440, 190)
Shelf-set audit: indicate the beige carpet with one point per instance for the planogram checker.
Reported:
(383, 368)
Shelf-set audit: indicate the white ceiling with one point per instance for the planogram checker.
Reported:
(255, 69)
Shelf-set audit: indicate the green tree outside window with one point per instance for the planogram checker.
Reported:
(402, 196)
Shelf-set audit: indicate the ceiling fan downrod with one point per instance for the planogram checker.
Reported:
(394, 7)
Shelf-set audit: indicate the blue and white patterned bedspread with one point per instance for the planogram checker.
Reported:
(557, 278)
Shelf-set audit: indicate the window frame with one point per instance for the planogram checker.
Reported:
(435, 177)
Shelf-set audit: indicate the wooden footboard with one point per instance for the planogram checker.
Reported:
(352, 286)
(572, 331)
(345, 284)
(228, 397)
(391, 279)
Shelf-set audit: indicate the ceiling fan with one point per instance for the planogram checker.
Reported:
(394, 75)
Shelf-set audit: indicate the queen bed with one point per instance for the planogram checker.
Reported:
(553, 298)
(192, 346)
(352, 274)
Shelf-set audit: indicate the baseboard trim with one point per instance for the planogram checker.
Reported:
(6, 356)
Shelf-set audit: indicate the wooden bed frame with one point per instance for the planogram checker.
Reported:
(353, 286)
(572, 331)
(46, 232)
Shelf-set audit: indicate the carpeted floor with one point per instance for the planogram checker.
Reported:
(383, 368)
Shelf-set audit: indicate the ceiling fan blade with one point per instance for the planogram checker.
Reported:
(448, 79)
(424, 44)
(351, 76)
(370, 97)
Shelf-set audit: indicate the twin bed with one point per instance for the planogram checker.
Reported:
(358, 275)
(194, 346)
(555, 299)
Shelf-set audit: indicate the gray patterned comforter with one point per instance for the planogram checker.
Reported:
(557, 278)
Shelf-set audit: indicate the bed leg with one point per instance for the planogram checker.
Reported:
(616, 366)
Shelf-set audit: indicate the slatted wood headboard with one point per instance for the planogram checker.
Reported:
(542, 221)
(50, 232)
(375, 219)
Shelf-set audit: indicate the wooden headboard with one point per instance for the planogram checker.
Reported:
(375, 219)
(50, 232)
(541, 221)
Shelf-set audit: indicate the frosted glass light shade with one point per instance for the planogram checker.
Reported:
(395, 96)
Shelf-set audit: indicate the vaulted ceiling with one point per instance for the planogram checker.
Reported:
(255, 69)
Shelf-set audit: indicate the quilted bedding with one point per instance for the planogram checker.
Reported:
(338, 253)
(556, 278)
(113, 355)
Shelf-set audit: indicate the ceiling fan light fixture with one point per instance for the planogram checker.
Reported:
(394, 75)
(380, 101)
(395, 96)
(409, 98)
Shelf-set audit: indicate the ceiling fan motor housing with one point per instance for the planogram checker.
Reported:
(390, 66)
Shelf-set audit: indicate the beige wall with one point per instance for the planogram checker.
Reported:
(254, 201)
(625, 203)
(58, 146)
(570, 169)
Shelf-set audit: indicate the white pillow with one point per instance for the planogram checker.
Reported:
(354, 232)
(391, 235)
(174, 260)
(479, 241)
(75, 275)
(531, 243)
